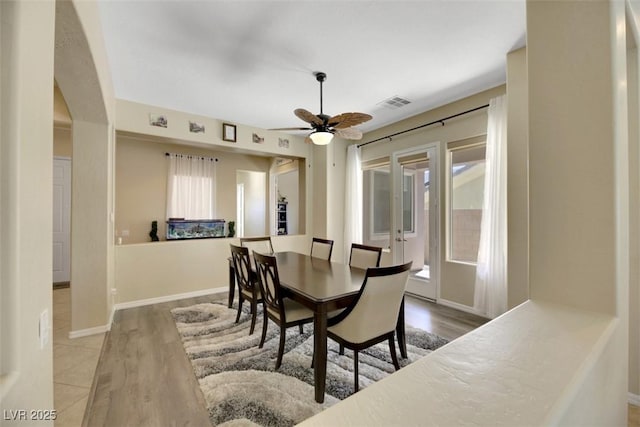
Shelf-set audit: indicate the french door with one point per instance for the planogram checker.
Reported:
(415, 216)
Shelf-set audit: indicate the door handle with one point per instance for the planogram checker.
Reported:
(398, 239)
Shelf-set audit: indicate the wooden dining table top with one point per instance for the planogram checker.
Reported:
(317, 279)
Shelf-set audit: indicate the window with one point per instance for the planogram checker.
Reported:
(381, 202)
(191, 190)
(466, 195)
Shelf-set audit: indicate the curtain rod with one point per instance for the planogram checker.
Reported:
(215, 159)
(424, 125)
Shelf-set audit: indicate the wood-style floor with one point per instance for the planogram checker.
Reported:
(145, 379)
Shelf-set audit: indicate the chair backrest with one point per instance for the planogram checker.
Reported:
(242, 267)
(258, 244)
(375, 310)
(321, 248)
(269, 281)
(363, 256)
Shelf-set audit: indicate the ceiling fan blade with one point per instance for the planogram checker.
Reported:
(349, 133)
(308, 140)
(291, 129)
(346, 120)
(307, 116)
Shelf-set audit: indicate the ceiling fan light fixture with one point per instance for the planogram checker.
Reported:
(321, 137)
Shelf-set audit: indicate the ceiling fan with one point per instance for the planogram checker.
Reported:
(324, 126)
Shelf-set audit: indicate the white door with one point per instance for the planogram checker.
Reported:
(61, 220)
(414, 236)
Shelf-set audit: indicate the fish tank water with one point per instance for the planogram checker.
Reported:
(179, 229)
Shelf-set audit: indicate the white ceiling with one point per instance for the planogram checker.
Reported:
(251, 62)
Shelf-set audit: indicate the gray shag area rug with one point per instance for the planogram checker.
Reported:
(240, 384)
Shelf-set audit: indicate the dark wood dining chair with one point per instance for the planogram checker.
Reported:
(248, 288)
(321, 248)
(283, 311)
(371, 318)
(364, 256)
(262, 244)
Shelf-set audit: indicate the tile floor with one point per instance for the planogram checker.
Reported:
(74, 363)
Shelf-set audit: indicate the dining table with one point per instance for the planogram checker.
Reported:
(322, 286)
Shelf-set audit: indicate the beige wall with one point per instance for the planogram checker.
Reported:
(141, 183)
(579, 251)
(157, 270)
(62, 144)
(563, 232)
(61, 115)
(134, 118)
(336, 163)
(517, 179)
(90, 225)
(26, 151)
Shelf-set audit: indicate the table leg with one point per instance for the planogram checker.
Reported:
(402, 342)
(232, 283)
(320, 353)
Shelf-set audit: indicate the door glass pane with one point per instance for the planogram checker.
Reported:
(466, 178)
(408, 203)
(381, 188)
(415, 241)
(376, 208)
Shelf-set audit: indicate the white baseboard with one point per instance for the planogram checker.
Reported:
(460, 307)
(634, 399)
(166, 298)
(89, 331)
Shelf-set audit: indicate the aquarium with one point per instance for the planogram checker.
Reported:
(178, 229)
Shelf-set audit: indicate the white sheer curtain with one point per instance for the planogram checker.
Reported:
(352, 200)
(191, 187)
(491, 273)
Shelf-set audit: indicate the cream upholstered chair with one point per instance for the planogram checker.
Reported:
(372, 317)
(247, 281)
(283, 311)
(321, 248)
(363, 256)
(262, 245)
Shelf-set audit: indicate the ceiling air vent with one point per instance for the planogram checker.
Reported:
(394, 102)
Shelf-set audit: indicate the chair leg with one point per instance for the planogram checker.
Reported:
(283, 333)
(265, 319)
(254, 311)
(394, 356)
(341, 352)
(240, 300)
(301, 327)
(356, 386)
